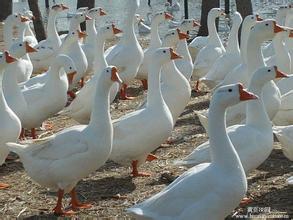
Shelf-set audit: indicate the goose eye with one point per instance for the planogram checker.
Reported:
(173, 33)
(81, 15)
(269, 70)
(70, 68)
(229, 90)
(267, 24)
(164, 51)
(108, 28)
(0, 56)
(161, 13)
(72, 32)
(107, 71)
(20, 45)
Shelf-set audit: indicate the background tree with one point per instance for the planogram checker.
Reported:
(85, 3)
(206, 6)
(5, 9)
(38, 22)
(244, 7)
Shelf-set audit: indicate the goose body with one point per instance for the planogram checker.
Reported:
(253, 141)
(155, 119)
(55, 162)
(207, 191)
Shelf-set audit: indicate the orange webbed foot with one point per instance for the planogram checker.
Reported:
(4, 186)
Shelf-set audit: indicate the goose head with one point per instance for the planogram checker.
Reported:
(164, 55)
(250, 20)
(59, 7)
(29, 14)
(20, 48)
(110, 75)
(80, 17)
(109, 31)
(5, 59)
(68, 66)
(265, 30)
(188, 25)
(230, 95)
(97, 12)
(161, 16)
(173, 37)
(265, 74)
(82, 10)
(15, 18)
(73, 36)
(216, 12)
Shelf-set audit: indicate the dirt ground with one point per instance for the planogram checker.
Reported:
(26, 199)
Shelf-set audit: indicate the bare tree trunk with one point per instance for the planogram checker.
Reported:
(206, 6)
(244, 7)
(85, 3)
(38, 23)
(5, 9)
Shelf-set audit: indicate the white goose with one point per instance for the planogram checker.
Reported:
(285, 136)
(90, 41)
(127, 55)
(210, 190)
(48, 48)
(262, 31)
(155, 120)
(232, 58)
(29, 34)
(212, 51)
(201, 41)
(81, 107)
(10, 22)
(10, 125)
(55, 162)
(185, 65)
(253, 141)
(155, 43)
(54, 89)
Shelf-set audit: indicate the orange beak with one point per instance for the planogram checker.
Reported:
(277, 28)
(70, 77)
(102, 12)
(182, 35)
(258, 18)
(64, 7)
(280, 74)
(116, 30)
(9, 58)
(245, 95)
(87, 18)
(114, 75)
(174, 55)
(24, 19)
(291, 34)
(195, 24)
(82, 34)
(223, 13)
(168, 16)
(29, 49)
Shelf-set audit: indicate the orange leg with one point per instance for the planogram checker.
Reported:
(123, 95)
(151, 157)
(75, 204)
(197, 86)
(3, 186)
(22, 134)
(33, 133)
(58, 210)
(144, 84)
(81, 82)
(71, 94)
(135, 172)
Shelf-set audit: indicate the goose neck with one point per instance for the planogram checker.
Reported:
(245, 30)
(213, 34)
(154, 95)
(233, 43)
(74, 25)
(100, 62)
(182, 48)
(91, 31)
(3, 103)
(220, 145)
(155, 37)
(52, 29)
(170, 74)
(254, 54)
(129, 37)
(255, 110)
(100, 115)
(282, 56)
